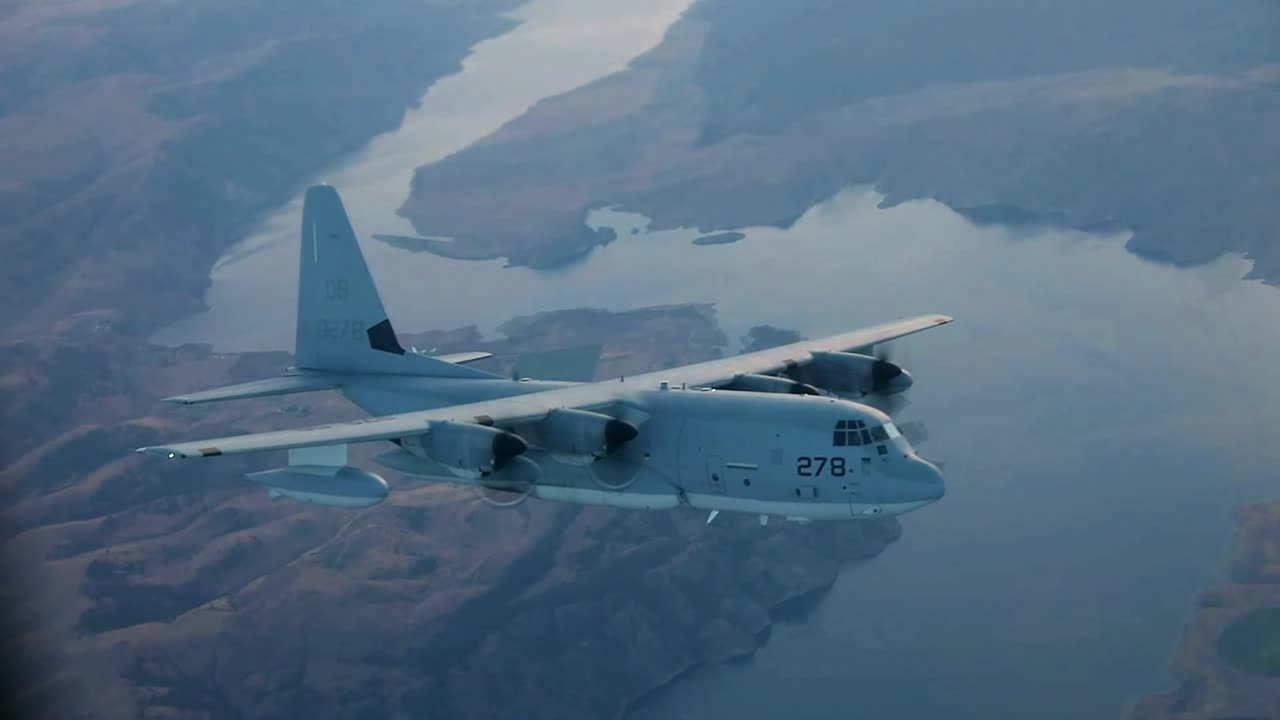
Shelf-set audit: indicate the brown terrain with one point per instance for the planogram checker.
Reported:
(1210, 688)
(178, 590)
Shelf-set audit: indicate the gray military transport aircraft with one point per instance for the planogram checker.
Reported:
(773, 432)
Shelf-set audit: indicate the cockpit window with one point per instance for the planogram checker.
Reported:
(853, 433)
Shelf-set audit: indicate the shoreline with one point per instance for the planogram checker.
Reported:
(795, 608)
(1199, 679)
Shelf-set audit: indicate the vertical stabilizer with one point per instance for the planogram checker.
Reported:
(342, 325)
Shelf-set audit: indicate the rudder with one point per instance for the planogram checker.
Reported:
(342, 324)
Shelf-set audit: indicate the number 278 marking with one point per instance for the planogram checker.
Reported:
(814, 465)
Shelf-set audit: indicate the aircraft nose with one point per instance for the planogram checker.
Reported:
(925, 478)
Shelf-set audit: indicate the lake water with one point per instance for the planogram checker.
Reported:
(1098, 415)
(559, 45)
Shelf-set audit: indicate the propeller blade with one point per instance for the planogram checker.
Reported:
(887, 403)
(915, 431)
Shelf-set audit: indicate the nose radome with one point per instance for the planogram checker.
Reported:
(927, 476)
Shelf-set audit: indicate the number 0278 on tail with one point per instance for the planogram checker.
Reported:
(789, 431)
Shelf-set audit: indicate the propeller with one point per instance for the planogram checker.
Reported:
(613, 472)
(511, 483)
(885, 373)
(892, 403)
(915, 431)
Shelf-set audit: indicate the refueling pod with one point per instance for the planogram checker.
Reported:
(341, 486)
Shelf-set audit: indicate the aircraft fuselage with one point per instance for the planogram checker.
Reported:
(764, 453)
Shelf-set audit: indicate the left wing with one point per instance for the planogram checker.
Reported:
(520, 409)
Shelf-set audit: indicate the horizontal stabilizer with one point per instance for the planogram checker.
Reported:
(462, 358)
(261, 388)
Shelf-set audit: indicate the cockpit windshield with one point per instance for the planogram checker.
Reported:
(857, 432)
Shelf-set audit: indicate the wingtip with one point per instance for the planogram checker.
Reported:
(179, 399)
(322, 192)
(160, 451)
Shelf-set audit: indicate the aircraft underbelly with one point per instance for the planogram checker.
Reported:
(645, 494)
(812, 510)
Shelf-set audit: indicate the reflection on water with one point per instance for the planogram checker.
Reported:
(1098, 415)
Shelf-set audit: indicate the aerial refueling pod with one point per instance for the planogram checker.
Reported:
(340, 486)
(749, 382)
(579, 432)
(854, 374)
(466, 446)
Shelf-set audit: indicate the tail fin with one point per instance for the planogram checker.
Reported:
(342, 325)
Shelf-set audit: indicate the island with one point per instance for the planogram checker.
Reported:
(736, 120)
(724, 238)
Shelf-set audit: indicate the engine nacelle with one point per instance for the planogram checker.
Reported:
(466, 446)
(748, 382)
(579, 432)
(855, 374)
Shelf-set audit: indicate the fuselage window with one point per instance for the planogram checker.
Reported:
(882, 450)
(878, 433)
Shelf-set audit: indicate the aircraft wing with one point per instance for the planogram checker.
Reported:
(520, 409)
(501, 412)
(715, 373)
